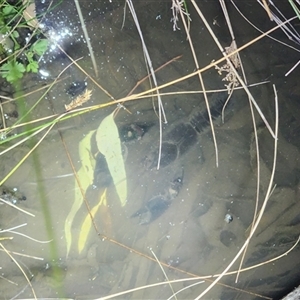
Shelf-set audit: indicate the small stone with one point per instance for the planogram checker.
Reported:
(228, 218)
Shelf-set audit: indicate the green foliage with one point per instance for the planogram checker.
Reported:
(39, 47)
(17, 62)
(12, 70)
(9, 10)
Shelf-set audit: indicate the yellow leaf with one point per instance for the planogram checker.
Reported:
(109, 144)
(86, 177)
(87, 223)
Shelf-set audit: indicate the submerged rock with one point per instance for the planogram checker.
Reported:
(157, 205)
(12, 195)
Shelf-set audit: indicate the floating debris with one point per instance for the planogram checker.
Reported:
(11, 195)
(79, 100)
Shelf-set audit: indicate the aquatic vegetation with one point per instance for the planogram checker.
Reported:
(20, 47)
(109, 145)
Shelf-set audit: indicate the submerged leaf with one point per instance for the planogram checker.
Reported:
(86, 177)
(87, 223)
(109, 144)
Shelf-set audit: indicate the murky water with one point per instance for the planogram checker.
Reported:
(207, 223)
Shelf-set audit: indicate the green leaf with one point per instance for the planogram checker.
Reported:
(109, 144)
(40, 47)
(86, 177)
(12, 71)
(15, 34)
(8, 10)
(33, 66)
(29, 56)
(87, 223)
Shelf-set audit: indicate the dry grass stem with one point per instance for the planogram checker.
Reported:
(266, 6)
(161, 112)
(147, 76)
(16, 207)
(237, 63)
(161, 267)
(27, 155)
(7, 280)
(28, 237)
(185, 288)
(201, 82)
(269, 36)
(84, 72)
(86, 36)
(227, 57)
(207, 277)
(23, 255)
(288, 28)
(22, 141)
(261, 212)
(292, 69)
(21, 269)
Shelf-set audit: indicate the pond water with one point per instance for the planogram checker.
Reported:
(193, 232)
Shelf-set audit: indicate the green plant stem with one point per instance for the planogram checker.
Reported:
(41, 192)
(295, 8)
